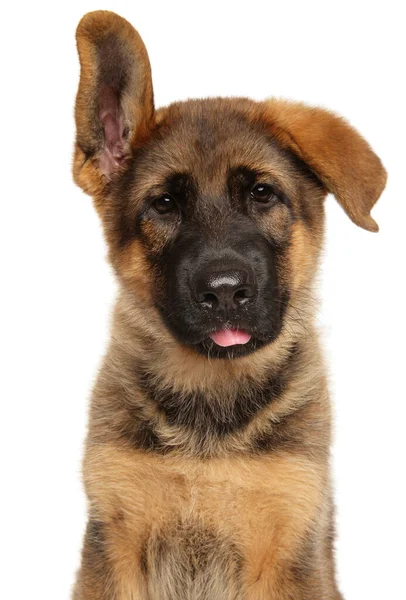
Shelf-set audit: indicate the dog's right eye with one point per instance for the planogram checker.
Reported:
(164, 205)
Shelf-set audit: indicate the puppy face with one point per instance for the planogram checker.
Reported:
(208, 206)
(213, 209)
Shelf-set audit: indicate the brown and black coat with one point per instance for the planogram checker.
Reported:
(207, 478)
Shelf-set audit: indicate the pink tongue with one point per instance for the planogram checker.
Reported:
(230, 337)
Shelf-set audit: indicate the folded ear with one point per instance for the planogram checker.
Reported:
(114, 104)
(340, 158)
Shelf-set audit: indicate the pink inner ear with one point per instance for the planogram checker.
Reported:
(112, 120)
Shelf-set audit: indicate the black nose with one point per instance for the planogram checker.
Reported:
(224, 289)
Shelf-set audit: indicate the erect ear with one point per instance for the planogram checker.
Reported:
(341, 159)
(114, 104)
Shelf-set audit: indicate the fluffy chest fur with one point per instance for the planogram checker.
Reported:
(189, 529)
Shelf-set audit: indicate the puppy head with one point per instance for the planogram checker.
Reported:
(212, 209)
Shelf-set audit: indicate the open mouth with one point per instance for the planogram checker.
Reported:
(230, 337)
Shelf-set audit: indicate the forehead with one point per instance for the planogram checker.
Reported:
(207, 140)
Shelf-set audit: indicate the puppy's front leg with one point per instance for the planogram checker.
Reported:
(94, 579)
(314, 589)
(279, 581)
(109, 571)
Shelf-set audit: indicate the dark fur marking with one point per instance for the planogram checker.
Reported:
(96, 575)
(126, 230)
(95, 537)
(180, 186)
(118, 517)
(303, 565)
(140, 433)
(197, 412)
(125, 221)
(284, 433)
(195, 550)
(308, 214)
(144, 558)
(272, 438)
(114, 63)
(289, 433)
(242, 179)
(307, 574)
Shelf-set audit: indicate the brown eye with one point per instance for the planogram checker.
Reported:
(164, 205)
(263, 193)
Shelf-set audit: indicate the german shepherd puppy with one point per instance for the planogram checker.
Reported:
(207, 458)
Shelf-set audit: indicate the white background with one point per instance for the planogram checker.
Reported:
(57, 288)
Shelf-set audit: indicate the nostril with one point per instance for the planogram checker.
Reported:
(242, 295)
(208, 299)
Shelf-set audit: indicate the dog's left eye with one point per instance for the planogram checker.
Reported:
(263, 193)
(164, 205)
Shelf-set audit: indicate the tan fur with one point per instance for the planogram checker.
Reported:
(193, 512)
(286, 502)
(322, 140)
